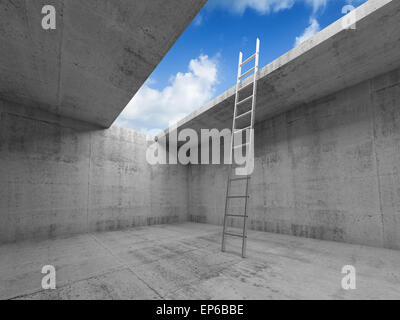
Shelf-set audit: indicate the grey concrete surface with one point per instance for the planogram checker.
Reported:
(97, 58)
(332, 60)
(326, 170)
(183, 261)
(60, 176)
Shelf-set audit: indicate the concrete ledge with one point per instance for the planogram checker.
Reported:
(330, 61)
(96, 59)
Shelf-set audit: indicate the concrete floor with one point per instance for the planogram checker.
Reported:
(183, 261)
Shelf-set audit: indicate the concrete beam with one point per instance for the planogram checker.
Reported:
(330, 61)
(100, 54)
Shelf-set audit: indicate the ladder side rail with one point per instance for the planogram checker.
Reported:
(231, 150)
(253, 103)
(255, 83)
(244, 240)
(226, 211)
(236, 102)
(251, 147)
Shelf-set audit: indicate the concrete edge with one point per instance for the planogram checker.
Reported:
(304, 48)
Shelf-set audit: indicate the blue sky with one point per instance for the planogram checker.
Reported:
(203, 62)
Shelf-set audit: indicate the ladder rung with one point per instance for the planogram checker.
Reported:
(240, 130)
(247, 73)
(245, 86)
(242, 178)
(248, 59)
(235, 197)
(243, 114)
(241, 145)
(237, 215)
(235, 234)
(244, 100)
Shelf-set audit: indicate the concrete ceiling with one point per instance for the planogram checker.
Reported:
(100, 54)
(332, 60)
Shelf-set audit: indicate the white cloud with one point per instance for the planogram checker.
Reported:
(151, 108)
(355, 2)
(311, 30)
(317, 4)
(261, 6)
(264, 6)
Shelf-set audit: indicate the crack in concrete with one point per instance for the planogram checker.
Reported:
(60, 56)
(122, 263)
(374, 134)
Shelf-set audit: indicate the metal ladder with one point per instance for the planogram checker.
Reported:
(248, 128)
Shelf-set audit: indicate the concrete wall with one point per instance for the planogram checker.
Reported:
(60, 177)
(327, 170)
